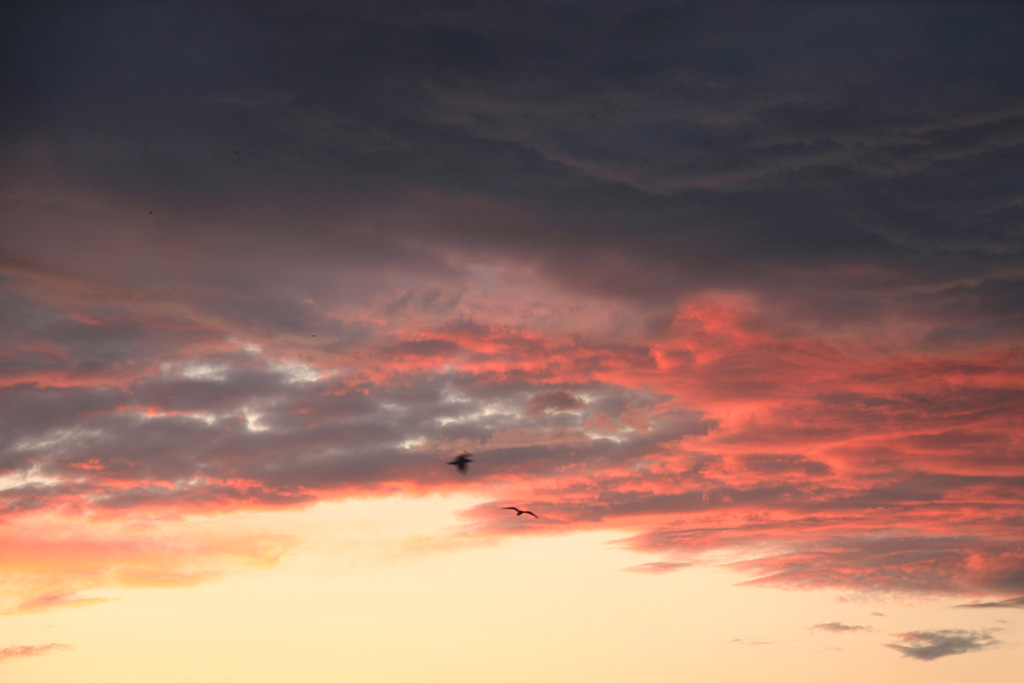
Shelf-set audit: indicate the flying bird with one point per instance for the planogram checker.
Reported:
(461, 461)
(522, 512)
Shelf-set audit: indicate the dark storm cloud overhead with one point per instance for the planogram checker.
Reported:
(665, 266)
(688, 140)
(929, 645)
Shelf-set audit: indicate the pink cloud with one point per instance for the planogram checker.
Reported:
(31, 650)
(723, 428)
(51, 601)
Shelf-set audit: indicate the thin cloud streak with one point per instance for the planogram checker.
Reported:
(837, 627)
(657, 567)
(53, 601)
(14, 651)
(1011, 603)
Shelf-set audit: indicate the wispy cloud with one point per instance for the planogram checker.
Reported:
(929, 645)
(837, 627)
(657, 567)
(52, 601)
(31, 650)
(1016, 603)
(50, 560)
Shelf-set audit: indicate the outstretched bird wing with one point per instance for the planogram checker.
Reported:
(527, 512)
(516, 509)
(461, 461)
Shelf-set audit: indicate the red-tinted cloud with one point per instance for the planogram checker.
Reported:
(724, 311)
(722, 431)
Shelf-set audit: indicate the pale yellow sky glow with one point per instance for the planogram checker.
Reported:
(382, 591)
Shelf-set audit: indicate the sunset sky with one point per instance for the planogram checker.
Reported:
(729, 294)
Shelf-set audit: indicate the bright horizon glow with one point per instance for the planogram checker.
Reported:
(375, 592)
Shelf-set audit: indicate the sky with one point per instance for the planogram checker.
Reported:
(729, 294)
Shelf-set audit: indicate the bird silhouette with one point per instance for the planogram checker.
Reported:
(522, 512)
(461, 461)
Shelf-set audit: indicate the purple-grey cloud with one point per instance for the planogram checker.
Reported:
(837, 627)
(553, 400)
(930, 645)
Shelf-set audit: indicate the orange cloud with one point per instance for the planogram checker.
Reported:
(49, 560)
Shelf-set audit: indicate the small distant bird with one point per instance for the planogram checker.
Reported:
(461, 461)
(522, 512)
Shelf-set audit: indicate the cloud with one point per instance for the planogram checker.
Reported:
(929, 645)
(31, 650)
(51, 601)
(49, 560)
(836, 627)
(657, 567)
(1017, 603)
(564, 239)
(554, 400)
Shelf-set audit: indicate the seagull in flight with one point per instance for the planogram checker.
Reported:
(522, 512)
(461, 461)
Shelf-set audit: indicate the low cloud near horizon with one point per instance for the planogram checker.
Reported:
(930, 645)
(14, 651)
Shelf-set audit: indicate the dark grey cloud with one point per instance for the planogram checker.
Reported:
(234, 428)
(553, 400)
(207, 204)
(640, 152)
(929, 645)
